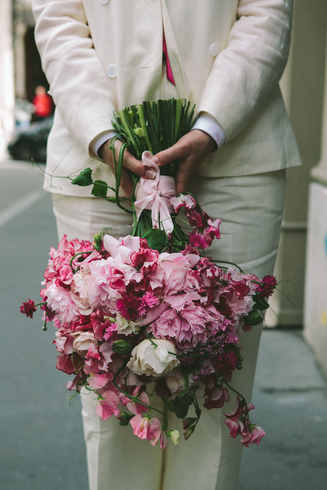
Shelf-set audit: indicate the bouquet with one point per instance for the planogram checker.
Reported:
(149, 314)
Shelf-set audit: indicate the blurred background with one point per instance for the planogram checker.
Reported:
(41, 445)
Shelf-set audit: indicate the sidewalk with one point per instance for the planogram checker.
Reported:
(290, 397)
(42, 445)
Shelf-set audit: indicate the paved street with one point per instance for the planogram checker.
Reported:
(41, 443)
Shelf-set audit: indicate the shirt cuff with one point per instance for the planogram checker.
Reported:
(97, 142)
(207, 123)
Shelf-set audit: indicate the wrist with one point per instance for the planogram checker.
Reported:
(210, 143)
(104, 148)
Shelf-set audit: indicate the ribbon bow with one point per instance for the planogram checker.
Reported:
(155, 194)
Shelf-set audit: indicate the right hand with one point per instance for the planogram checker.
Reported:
(130, 164)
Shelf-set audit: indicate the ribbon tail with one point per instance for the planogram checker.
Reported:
(165, 219)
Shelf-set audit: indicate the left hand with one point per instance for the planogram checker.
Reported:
(190, 150)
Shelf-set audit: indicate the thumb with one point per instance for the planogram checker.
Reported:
(167, 156)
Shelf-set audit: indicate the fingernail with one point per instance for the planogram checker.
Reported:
(150, 173)
(155, 160)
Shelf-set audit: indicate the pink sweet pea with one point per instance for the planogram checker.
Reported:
(137, 408)
(254, 436)
(183, 200)
(156, 433)
(140, 426)
(108, 406)
(198, 240)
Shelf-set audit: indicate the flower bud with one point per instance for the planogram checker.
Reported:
(97, 241)
(188, 433)
(122, 347)
(174, 436)
(188, 422)
(139, 132)
(124, 418)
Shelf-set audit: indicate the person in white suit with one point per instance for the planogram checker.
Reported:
(227, 57)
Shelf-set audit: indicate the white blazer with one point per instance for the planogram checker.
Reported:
(227, 57)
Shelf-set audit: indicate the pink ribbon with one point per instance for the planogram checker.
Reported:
(155, 194)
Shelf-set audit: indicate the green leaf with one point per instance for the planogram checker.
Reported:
(84, 178)
(99, 189)
(254, 318)
(157, 239)
(260, 303)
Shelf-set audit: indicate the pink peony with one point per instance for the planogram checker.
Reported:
(192, 325)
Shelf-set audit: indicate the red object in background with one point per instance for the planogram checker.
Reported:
(43, 103)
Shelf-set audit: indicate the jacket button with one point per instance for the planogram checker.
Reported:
(104, 2)
(111, 71)
(214, 49)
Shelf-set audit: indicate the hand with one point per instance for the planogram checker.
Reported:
(190, 150)
(130, 164)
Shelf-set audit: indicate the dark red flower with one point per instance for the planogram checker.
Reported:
(267, 286)
(28, 308)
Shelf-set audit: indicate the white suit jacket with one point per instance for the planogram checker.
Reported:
(227, 57)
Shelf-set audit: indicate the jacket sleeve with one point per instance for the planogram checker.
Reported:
(78, 83)
(251, 65)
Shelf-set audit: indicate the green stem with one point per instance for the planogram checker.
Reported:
(71, 260)
(136, 399)
(227, 262)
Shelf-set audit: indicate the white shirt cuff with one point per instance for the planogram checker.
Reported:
(207, 123)
(97, 142)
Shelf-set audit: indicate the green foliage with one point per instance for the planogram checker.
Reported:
(260, 302)
(180, 404)
(99, 189)
(157, 239)
(84, 178)
(254, 318)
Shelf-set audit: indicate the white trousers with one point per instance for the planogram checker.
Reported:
(251, 209)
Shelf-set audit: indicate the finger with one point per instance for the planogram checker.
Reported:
(175, 152)
(136, 166)
(182, 178)
(129, 161)
(126, 183)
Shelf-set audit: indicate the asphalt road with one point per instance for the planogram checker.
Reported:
(41, 441)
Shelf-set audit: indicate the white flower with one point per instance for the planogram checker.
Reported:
(126, 327)
(83, 341)
(153, 360)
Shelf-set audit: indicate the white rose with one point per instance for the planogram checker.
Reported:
(126, 327)
(153, 361)
(83, 342)
(176, 382)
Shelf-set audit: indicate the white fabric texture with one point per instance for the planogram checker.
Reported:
(251, 209)
(79, 39)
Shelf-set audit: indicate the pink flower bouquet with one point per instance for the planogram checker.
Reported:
(148, 315)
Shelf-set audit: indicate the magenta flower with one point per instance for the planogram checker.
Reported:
(267, 286)
(28, 308)
(198, 240)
